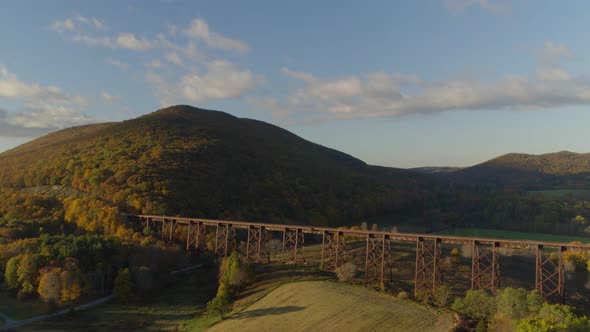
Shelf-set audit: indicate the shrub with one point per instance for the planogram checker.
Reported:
(476, 304)
(219, 305)
(403, 295)
(124, 288)
(346, 272)
(442, 296)
(554, 317)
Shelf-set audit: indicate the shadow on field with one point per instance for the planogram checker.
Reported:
(267, 311)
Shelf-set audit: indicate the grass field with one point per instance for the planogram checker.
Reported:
(562, 193)
(331, 306)
(21, 309)
(501, 234)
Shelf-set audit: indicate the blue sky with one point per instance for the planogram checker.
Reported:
(395, 83)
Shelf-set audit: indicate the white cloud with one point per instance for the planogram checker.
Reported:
(88, 40)
(199, 29)
(552, 54)
(92, 21)
(48, 116)
(65, 25)
(114, 62)
(174, 58)
(13, 88)
(45, 108)
(129, 41)
(381, 94)
(154, 64)
(108, 98)
(222, 80)
(219, 79)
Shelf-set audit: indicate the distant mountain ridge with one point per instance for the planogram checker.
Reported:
(550, 170)
(435, 169)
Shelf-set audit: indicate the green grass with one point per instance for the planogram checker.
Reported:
(1, 321)
(562, 193)
(21, 309)
(332, 306)
(512, 235)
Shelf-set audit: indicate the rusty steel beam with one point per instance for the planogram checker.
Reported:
(257, 246)
(485, 266)
(517, 244)
(550, 273)
(428, 268)
(196, 236)
(146, 222)
(168, 226)
(333, 250)
(225, 240)
(293, 244)
(377, 258)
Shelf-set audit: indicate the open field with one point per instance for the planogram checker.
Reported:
(331, 306)
(562, 193)
(512, 235)
(21, 309)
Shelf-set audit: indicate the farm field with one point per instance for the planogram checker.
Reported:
(512, 235)
(562, 193)
(330, 306)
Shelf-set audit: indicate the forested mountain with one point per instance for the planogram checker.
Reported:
(188, 161)
(531, 172)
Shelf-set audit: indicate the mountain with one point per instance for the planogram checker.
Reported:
(435, 169)
(183, 160)
(531, 172)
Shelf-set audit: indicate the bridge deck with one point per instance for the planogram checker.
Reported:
(360, 233)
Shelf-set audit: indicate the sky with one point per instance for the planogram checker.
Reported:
(394, 83)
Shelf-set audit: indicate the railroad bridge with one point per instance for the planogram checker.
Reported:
(485, 264)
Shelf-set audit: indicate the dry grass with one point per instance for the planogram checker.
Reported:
(330, 306)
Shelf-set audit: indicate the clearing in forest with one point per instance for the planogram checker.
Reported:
(330, 306)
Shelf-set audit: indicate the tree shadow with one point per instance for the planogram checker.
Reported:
(267, 311)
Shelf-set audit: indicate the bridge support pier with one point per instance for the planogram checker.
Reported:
(146, 222)
(293, 241)
(333, 250)
(428, 268)
(257, 245)
(550, 273)
(378, 257)
(196, 236)
(225, 240)
(168, 226)
(485, 266)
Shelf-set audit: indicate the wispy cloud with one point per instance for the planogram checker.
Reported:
(42, 107)
(380, 94)
(199, 29)
(114, 62)
(108, 98)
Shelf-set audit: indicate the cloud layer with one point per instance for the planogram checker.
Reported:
(42, 108)
(380, 94)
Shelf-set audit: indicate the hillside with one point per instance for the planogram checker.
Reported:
(531, 172)
(188, 161)
(329, 306)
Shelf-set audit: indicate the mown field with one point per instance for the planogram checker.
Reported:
(331, 306)
(21, 309)
(562, 193)
(512, 235)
